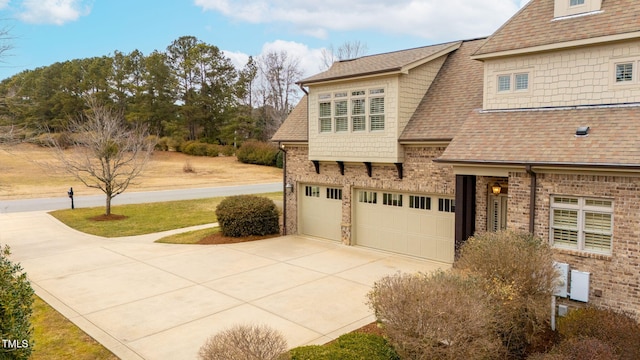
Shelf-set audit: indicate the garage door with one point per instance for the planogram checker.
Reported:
(412, 224)
(321, 211)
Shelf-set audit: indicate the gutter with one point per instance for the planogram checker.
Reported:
(627, 167)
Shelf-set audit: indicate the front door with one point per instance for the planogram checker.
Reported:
(497, 212)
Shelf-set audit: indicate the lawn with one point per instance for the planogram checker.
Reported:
(56, 338)
(145, 218)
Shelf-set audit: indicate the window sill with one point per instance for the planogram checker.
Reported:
(584, 254)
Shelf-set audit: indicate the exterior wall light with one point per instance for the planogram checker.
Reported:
(496, 189)
(289, 187)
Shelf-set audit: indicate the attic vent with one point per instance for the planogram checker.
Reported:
(582, 131)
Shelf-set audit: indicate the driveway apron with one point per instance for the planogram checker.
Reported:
(144, 300)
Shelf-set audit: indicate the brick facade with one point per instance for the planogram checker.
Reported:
(420, 175)
(615, 278)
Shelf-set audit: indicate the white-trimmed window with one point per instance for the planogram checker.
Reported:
(513, 82)
(376, 111)
(341, 115)
(419, 202)
(369, 197)
(504, 83)
(579, 223)
(349, 111)
(312, 191)
(392, 199)
(522, 81)
(624, 72)
(325, 116)
(358, 114)
(576, 2)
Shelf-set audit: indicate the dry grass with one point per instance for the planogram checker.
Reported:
(29, 171)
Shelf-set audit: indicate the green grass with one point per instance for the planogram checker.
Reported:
(188, 238)
(55, 337)
(145, 218)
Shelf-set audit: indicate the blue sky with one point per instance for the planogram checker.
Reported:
(47, 31)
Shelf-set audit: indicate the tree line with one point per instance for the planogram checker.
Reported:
(190, 91)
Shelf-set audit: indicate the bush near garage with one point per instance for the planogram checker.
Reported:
(517, 272)
(245, 342)
(16, 300)
(618, 330)
(443, 315)
(352, 346)
(258, 153)
(245, 215)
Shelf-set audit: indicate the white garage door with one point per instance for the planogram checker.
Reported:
(321, 211)
(412, 224)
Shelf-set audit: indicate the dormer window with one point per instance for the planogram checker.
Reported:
(565, 8)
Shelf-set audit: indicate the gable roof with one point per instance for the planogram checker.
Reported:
(295, 127)
(381, 63)
(534, 26)
(547, 137)
(456, 91)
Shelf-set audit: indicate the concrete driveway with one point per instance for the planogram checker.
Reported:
(155, 301)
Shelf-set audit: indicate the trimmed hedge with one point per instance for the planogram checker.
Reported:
(258, 153)
(245, 215)
(352, 346)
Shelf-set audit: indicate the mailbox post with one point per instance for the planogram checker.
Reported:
(70, 193)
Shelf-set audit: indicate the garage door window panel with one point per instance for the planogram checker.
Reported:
(368, 197)
(312, 191)
(392, 199)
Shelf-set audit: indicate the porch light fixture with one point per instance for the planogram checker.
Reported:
(496, 189)
(289, 187)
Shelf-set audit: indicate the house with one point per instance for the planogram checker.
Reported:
(535, 128)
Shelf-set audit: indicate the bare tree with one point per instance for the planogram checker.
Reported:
(5, 42)
(278, 73)
(104, 153)
(346, 51)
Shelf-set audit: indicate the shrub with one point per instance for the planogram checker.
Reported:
(579, 349)
(618, 330)
(245, 215)
(256, 152)
(437, 316)
(351, 346)
(163, 144)
(228, 150)
(16, 299)
(196, 148)
(517, 272)
(244, 342)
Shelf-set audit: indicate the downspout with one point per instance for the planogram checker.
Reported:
(532, 199)
(284, 188)
(303, 89)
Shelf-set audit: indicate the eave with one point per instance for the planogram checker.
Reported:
(560, 46)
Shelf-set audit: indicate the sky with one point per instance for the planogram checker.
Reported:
(43, 32)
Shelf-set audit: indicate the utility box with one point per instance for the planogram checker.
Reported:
(579, 286)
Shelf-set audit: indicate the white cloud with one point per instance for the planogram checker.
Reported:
(238, 59)
(4, 3)
(429, 19)
(55, 12)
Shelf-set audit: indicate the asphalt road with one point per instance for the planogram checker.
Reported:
(63, 202)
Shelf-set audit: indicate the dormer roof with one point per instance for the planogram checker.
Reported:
(382, 64)
(534, 28)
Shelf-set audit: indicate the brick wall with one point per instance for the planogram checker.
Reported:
(615, 278)
(421, 176)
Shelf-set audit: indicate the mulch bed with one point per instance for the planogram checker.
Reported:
(218, 238)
